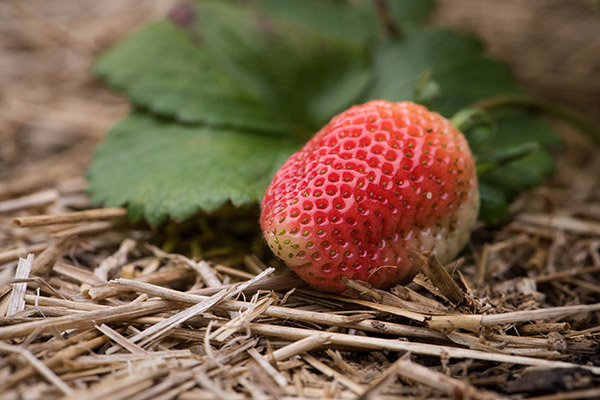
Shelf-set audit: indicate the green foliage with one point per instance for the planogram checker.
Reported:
(229, 70)
(186, 164)
(162, 70)
(455, 62)
(225, 91)
(335, 18)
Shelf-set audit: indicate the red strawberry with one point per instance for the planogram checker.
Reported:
(378, 181)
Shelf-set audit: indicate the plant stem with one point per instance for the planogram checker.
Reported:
(383, 10)
(574, 118)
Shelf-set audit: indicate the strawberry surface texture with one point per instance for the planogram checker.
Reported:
(380, 181)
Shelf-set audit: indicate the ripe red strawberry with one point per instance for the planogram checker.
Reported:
(378, 181)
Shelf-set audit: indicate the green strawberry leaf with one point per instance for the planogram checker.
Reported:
(488, 161)
(163, 169)
(410, 11)
(232, 66)
(336, 18)
(225, 90)
(463, 75)
(161, 69)
(515, 127)
(494, 206)
(302, 76)
(332, 18)
(455, 63)
(217, 68)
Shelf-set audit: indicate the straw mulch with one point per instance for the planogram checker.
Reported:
(98, 308)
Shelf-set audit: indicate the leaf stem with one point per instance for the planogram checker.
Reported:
(383, 10)
(567, 114)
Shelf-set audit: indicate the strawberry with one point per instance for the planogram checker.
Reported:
(379, 181)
